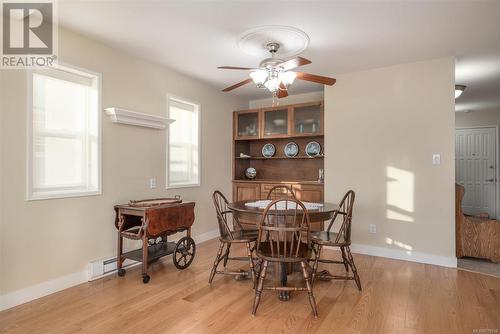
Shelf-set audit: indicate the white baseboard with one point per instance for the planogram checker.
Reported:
(33, 292)
(400, 254)
(206, 236)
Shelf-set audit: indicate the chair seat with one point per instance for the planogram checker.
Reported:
(265, 253)
(327, 238)
(240, 236)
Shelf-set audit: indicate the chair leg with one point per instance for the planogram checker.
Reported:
(226, 255)
(344, 259)
(250, 260)
(353, 267)
(316, 261)
(216, 263)
(260, 286)
(312, 301)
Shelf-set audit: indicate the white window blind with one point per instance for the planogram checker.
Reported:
(64, 157)
(183, 166)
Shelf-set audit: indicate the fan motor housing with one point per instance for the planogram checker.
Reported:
(270, 63)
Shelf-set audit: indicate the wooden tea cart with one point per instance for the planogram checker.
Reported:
(152, 221)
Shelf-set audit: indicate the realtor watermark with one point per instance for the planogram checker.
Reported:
(29, 34)
(485, 331)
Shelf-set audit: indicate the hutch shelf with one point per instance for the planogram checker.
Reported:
(252, 129)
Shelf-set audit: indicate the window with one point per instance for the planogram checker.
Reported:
(183, 142)
(64, 133)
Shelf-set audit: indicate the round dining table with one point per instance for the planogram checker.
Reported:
(253, 214)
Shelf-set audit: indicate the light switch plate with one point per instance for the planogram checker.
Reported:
(372, 228)
(152, 183)
(436, 159)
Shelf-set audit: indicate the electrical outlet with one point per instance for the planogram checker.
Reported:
(372, 228)
(152, 183)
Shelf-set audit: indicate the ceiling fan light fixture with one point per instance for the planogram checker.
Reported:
(275, 74)
(287, 78)
(259, 77)
(459, 89)
(272, 84)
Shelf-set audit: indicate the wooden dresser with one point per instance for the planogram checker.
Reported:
(280, 125)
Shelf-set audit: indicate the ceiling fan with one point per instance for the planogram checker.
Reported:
(275, 75)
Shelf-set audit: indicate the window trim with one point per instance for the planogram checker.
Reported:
(30, 195)
(167, 151)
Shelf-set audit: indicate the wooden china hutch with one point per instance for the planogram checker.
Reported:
(280, 125)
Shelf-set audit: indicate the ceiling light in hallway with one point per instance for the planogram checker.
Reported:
(459, 89)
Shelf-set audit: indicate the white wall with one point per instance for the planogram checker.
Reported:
(290, 99)
(382, 127)
(48, 239)
(478, 118)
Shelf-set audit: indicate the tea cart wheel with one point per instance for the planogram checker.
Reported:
(184, 252)
(145, 279)
(121, 272)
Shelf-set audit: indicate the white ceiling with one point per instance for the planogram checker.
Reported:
(196, 37)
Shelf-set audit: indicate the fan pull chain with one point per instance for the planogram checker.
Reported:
(276, 101)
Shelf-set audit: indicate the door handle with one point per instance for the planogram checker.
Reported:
(490, 180)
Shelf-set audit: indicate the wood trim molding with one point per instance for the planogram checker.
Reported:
(123, 116)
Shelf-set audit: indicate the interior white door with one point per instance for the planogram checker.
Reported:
(475, 169)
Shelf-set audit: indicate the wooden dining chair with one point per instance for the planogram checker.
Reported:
(340, 239)
(284, 237)
(279, 192)
(229, 235)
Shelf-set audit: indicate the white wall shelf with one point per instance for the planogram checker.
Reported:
(123, 116)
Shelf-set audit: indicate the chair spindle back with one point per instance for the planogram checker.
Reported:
(280, 192)
(224, 215)
(284, 227)
(345, 211)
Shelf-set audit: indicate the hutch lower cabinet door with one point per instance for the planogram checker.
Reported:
(245, 191)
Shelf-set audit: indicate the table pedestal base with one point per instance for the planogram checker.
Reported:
(284, 296)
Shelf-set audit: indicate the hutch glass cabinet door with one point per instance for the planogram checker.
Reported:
(307, 120)
(275, 122)
(247, 125)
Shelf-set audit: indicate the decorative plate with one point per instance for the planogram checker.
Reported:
(313, 149)
(268, 150)
(250, 173)
(291, 149)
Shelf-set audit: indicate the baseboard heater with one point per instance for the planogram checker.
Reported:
(102, 268)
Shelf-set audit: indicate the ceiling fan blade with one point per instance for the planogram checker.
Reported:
(244, 82)
(282, 91)
(316, 78)
(235, 68)
(294, 62)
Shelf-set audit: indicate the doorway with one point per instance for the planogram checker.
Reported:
(476, 169)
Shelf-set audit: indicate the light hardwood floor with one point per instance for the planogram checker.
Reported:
(397, 297)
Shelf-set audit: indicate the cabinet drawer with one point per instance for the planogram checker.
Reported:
(309, 192)
(266, 187)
